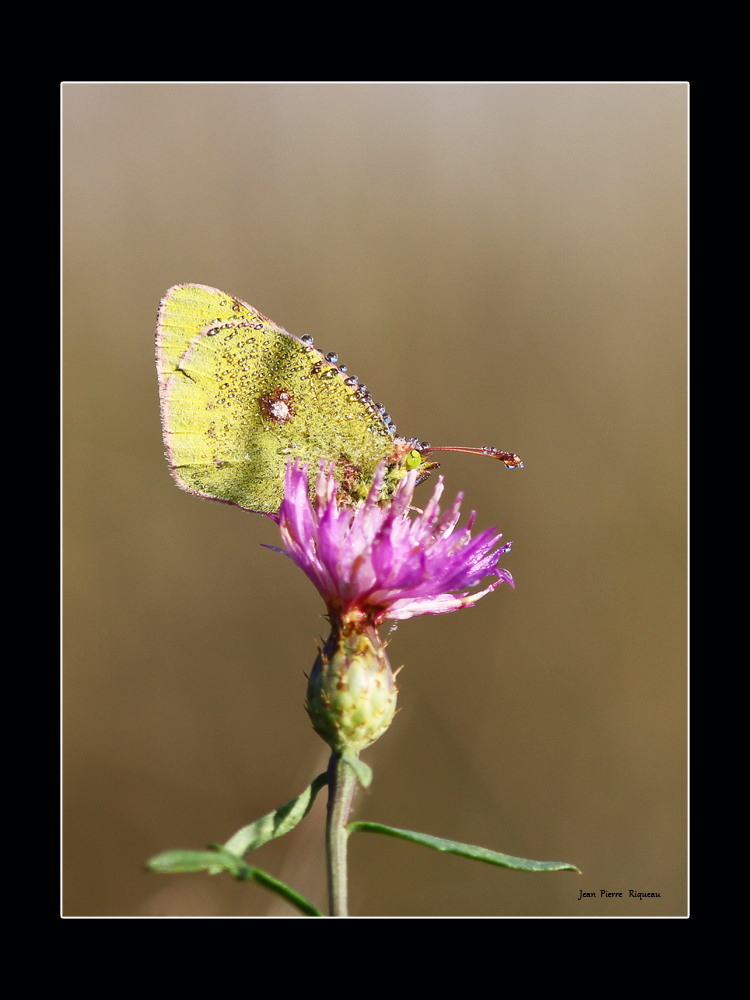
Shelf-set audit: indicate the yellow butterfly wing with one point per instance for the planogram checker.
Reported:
(240, 396)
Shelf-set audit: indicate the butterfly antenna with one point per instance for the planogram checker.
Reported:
(508, 458)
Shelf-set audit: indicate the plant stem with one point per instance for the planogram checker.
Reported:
(341, 783)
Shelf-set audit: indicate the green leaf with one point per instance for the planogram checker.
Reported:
(219, 859)
(285, 891)
(176, 862)
(216, 859)
(275, 823)
(228, 857)
(463, 850)
(362, 770)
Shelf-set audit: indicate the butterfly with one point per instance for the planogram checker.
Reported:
(240, 397)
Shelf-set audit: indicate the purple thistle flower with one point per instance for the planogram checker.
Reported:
(373, 562)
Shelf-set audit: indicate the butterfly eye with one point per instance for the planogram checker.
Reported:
(413, 460)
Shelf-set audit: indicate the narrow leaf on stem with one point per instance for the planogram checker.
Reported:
(276, 823)
(463, 850)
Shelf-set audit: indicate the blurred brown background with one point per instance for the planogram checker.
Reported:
(502, 264)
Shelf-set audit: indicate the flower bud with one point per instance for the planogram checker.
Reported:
(351, 693)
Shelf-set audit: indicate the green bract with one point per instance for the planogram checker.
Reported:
(351, 694)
